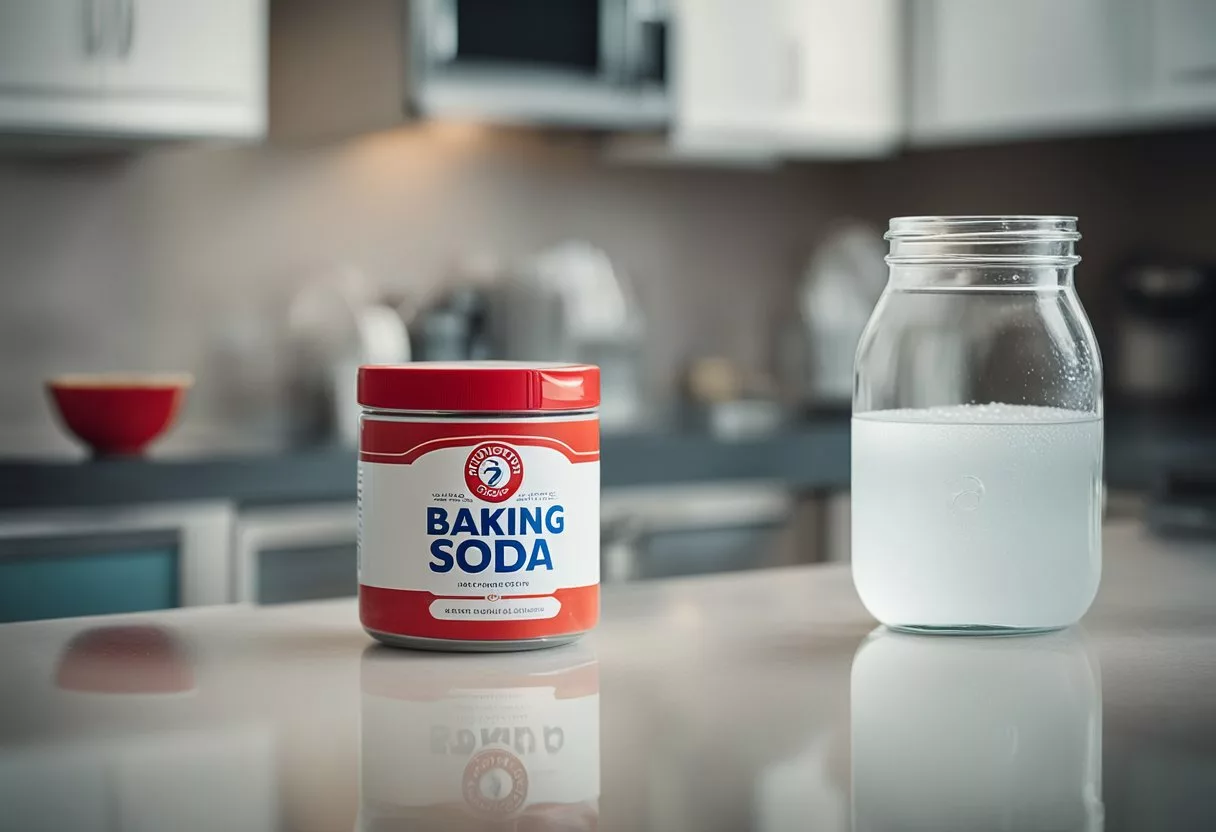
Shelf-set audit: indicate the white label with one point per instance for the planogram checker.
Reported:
(535, 531)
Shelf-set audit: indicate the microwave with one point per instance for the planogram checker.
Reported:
(573, 63)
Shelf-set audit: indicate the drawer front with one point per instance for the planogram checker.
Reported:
(307, 573)
(60, 577)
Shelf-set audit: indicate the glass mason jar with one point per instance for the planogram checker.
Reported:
(977, 431)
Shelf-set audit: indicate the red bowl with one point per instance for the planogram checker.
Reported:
(118, 414)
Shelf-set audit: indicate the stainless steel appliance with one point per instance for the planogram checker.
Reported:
(585, 63)
(1165, 334)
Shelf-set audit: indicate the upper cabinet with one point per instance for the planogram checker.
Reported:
(845, 67)
(49, 47)
(133, 68)
(1182, 58)
(996, 69)
(704, 80)
(788, 77)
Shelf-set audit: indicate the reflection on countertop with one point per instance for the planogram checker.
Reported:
(1015, 724)
(456, 742)
(763, 700)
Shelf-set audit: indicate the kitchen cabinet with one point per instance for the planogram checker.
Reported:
(1182, 59)
(133, 69)
(48, 47)
(205, 49)
(811, 78)
(60, 563)
(989, 67)
(296, 553)
(133, 578)
(994, 69)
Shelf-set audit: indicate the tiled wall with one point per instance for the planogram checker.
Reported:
(184, 258)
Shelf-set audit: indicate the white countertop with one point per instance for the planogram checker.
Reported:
(744, 701)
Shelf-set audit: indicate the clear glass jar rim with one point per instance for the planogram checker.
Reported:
(978, 227)
(1014, 241)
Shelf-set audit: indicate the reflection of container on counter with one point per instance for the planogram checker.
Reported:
(967, 733)
(458, 743)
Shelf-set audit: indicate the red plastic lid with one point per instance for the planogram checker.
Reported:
(479, 386)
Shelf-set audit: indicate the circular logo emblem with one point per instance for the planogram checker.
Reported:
(493, 471)
(495, 782)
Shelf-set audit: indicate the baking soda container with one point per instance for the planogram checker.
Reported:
(479, 504)
(977, 431)
(492, 742)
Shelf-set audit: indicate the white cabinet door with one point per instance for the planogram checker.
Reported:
(187, 48)
(1183, 58)
(133, 69)
(727, 75)
(49, 46)
(1008, 69)
(788, 77)
(842, 77)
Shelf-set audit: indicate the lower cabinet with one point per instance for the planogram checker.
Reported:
(93, 583)
(121, 559)
(296, 553)
(307, 573)
(61, 563)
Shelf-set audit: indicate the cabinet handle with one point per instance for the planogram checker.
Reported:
(128, 28)
(92, 26)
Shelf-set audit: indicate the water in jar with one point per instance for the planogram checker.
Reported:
(977, 516)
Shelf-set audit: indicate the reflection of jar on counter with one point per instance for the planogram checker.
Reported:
(965, 733)
(496, 742)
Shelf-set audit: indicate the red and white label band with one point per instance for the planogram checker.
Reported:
(479, 530)
(402, 443)
(408, 612)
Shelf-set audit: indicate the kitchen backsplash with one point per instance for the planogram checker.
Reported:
(184, 257)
